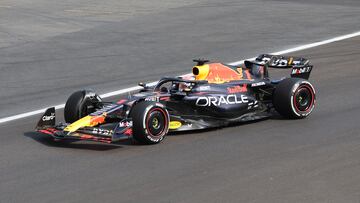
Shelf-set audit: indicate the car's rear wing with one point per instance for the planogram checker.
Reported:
(301, 67)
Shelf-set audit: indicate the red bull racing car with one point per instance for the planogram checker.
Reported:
(215, 95)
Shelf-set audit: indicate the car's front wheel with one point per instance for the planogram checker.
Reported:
(150, 122)
(79, 104)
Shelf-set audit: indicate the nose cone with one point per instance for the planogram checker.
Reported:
(201, 72)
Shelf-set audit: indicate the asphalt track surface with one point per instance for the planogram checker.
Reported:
(58, 52)
(275, 160)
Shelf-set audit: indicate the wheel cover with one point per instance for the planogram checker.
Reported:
(304, 98)
(156, 122)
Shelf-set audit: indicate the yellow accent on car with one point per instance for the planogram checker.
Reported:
(290, 60)
(175, 125)
(78, 124)
(201, 72)
(87, 121)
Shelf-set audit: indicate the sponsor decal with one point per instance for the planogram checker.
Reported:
(48, 118)
(123, 124)
(219, 100)
(155, 99)
(102, 131)
(257, 84)
(218, 73)
(204, 88)
(237, 89)
(264, 59)
(296, 71)
(252, 105)
(175, 125)
(280, 62)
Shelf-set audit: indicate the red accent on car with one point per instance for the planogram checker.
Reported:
(128, 132)
(237, 89)
(219, 73)
(165, 98)
(46, 132)
(121, 101)
(97, 120)
(93, 138)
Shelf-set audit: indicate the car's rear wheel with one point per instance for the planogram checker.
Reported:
(80, 104)
(150, 122)
(294, 98)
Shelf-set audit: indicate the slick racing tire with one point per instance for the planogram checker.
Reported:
(150, 122)
(80, 104)
(294, 98)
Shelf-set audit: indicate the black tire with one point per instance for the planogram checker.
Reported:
(150, 122)
(80, 104)
(294, 98)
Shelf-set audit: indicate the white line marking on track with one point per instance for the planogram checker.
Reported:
(130, 89)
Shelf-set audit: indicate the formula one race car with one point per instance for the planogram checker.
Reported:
(215, 95)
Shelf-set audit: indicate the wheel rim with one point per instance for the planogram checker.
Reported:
(303, 98)
(156, 122)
